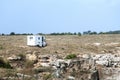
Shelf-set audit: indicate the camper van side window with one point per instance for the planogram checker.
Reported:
(38, 38)
(31, 38)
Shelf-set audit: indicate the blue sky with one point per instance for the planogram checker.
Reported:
(46, 16)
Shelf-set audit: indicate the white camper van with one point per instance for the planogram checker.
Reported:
(36, 40)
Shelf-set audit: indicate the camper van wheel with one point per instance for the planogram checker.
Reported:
(38, 46)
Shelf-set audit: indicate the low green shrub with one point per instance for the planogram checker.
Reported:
(4, 64)
(1, 47)
(47, 77)
(70, 56)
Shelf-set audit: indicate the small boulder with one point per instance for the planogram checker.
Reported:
(14, 58)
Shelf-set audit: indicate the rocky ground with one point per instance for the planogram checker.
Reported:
(92, 57)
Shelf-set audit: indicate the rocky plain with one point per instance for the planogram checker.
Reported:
(66, 57)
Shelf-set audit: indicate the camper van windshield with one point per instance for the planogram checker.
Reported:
(43, 39)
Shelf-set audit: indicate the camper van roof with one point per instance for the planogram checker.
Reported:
(34, 35)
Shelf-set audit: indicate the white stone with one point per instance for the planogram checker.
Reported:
(31, 57)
